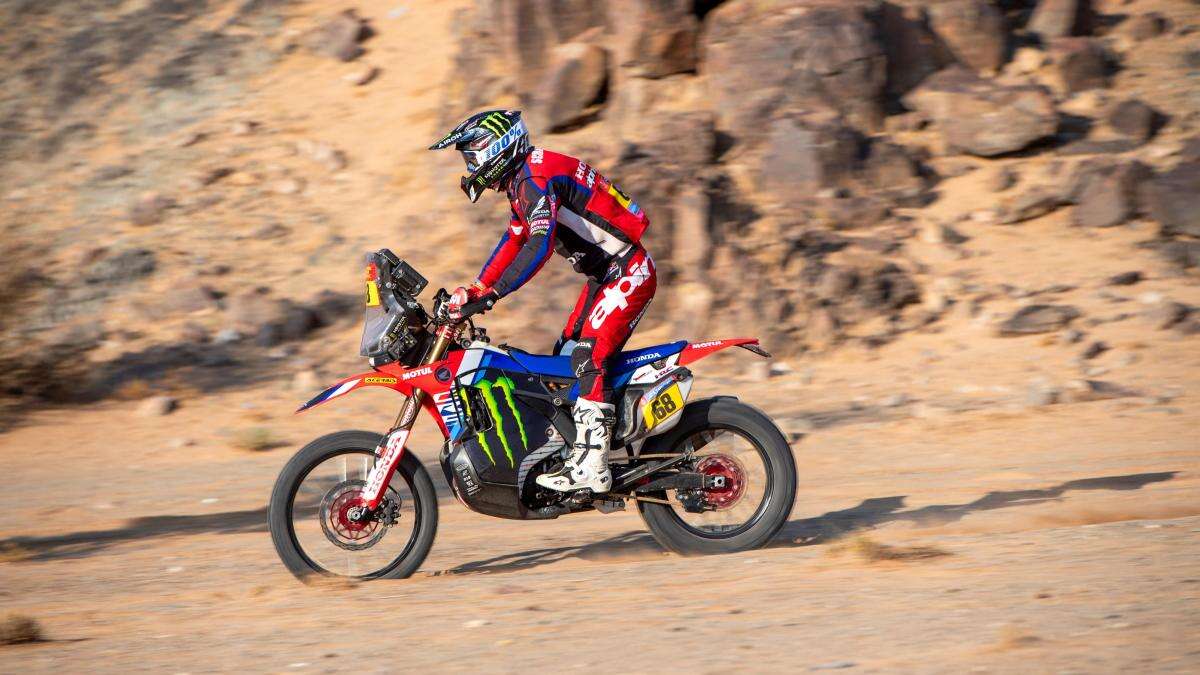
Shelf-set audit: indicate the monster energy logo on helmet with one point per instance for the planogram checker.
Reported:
(497, 123)
(506, 419)
(493, 144)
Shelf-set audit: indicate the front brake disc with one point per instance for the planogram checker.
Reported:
(338, 508)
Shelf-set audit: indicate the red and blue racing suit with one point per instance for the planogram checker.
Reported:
(561, 204)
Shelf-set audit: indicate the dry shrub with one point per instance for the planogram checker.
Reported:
(256, 416)
(872, 551)
(256, 439)
(17, 629)
(1015, 637)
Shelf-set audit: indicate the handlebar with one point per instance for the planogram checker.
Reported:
(441, 310)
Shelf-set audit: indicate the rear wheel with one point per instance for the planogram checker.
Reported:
(317, 512)
(728, 438)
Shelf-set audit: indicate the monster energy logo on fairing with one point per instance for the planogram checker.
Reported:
(487, 390)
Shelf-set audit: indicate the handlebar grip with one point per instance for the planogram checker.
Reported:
(473, 308)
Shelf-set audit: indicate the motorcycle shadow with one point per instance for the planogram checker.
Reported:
(631, 546)
(871, 513)
(640, 546)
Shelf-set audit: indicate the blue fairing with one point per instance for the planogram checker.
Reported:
(554, 366)
(619, 372)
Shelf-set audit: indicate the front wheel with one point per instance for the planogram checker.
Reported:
(316, 512)
(724, 437)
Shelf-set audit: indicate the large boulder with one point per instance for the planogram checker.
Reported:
(982, 117)
(892, 173)
(507, 47)
(1144, 26)
(1105, 195)
(655, 38)
(1134, 120)
(802, 156)
(339, 36)
(792, 55)
(818, 166)
(1034, 319)
(912, 50)
(1173, 199)
(680, 144)
(1078, 64)
(973, 31)
(887, 287)
(533, 28)
(1061, 18)
(572, 87)
(1032, 203)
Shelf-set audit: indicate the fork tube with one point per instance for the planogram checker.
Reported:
(446, 335)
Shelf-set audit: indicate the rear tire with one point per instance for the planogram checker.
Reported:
(410, 470)
(730, 414)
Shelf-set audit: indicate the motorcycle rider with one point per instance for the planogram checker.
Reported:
(560, 204)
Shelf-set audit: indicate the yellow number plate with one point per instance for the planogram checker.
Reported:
(372, 294)
(663, 406)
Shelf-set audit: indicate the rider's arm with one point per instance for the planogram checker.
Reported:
(508, 248)
(537, 209)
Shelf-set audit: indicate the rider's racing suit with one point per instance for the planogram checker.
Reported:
(561, 204)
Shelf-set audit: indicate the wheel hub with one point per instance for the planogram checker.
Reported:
(345, 518)
(724, 494)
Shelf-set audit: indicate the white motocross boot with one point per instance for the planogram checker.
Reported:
(587, 467)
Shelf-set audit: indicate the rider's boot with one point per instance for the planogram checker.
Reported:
(587, 467)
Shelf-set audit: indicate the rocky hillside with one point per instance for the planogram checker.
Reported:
(786, 149)
(188, 186)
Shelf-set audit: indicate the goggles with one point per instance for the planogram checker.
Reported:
(474, 152)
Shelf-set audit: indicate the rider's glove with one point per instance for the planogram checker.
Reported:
(468, 301)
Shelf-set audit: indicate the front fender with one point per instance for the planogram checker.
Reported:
(371, 379)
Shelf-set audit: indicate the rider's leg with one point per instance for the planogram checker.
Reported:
(570, 332)
(607, 321)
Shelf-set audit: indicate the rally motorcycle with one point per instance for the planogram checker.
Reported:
(708, 476)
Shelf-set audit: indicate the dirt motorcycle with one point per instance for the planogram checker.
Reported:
(707, 476)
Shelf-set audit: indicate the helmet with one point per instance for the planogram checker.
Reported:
(493, 144)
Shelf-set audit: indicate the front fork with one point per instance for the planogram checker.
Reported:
(391, 449)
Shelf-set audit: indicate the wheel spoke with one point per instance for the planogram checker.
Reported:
(329, 533)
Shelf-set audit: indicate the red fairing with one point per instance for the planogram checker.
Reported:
(699, 350)
(395, 377)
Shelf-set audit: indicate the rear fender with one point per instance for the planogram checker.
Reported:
(698, 350)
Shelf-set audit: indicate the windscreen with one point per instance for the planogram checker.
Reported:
(377, 318)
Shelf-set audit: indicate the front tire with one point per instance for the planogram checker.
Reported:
(352, 448)
(718, 415)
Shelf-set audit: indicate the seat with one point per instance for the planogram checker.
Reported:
(621, 366)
